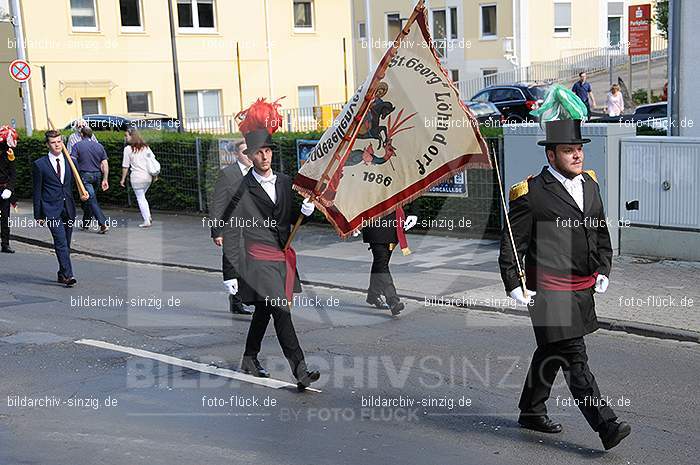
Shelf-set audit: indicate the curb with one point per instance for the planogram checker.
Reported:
(630, 327)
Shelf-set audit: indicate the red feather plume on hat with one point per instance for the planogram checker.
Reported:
(260, 115)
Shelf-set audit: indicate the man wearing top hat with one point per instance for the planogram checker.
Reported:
(263, 269)
(563, 247)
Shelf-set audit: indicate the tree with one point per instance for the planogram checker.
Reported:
(661, 17)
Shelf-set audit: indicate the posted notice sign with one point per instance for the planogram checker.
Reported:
(639, 28)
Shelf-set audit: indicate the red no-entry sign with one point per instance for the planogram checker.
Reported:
(20, 70)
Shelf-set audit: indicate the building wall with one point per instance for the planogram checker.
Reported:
(11, 107)
(108, 63)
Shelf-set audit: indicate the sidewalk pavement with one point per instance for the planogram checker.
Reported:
(654, 298)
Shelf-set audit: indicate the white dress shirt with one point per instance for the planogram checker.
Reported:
(244, 168)
(61, 161)
(268, 184)
(573, 186)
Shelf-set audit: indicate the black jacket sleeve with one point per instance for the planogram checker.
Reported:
(604, 245)
(520, 217)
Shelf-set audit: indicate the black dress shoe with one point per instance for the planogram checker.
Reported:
(377, 302)
(236, 307)
(396, 308)
(7, 249)
(251, 366)
(614, 433)
(540, 423)
(306, 380)
(69, 282)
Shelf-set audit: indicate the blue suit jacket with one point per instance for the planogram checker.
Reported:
(51, 198)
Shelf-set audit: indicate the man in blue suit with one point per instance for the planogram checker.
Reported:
(53, 202)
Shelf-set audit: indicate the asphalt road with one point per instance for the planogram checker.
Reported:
(108, 407)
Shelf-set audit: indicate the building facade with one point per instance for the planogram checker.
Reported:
(477, 38)
(115, 56)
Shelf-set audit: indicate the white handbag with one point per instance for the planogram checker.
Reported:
(152, 165)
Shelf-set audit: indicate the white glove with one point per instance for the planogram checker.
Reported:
(517, 295)
(6, 194)
(601, 284)
(231, 286)
(410, 222)
(307, 207)
(356, 233)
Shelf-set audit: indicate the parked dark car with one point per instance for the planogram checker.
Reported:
(486, 113)
(652, 115)
(142, 121)
(516, 101)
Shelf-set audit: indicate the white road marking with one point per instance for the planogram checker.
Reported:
(201, 367)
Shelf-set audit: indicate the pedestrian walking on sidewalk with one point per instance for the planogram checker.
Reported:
(583, 90)
(614, 103)
(558, 225)
(136, 160)
(265, 271)
(382, 235)
(222, 232)
(8, 176)
(76, 136)
(91, 160)
(53, 202)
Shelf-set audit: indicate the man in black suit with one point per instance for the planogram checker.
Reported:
(222, 233)
(264, 270)
(382, 235)
(8, 176)
(53, 202)
(559, 226)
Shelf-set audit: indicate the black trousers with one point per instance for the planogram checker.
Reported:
(5, 222)
(286, 335)
(380, 280)
(570, 356)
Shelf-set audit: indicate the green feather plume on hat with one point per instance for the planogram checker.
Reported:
(560, 103)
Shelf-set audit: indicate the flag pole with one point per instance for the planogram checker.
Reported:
(521, 274)
(78, 181)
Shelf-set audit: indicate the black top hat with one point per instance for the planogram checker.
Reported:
(256, 140)
(563, 131)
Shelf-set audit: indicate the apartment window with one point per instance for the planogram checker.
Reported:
(362, 30)
(202, 103)
(562, 18)
(393, 25)
(303, 15)
(454, 74)
(91, 106)
(196, 15)
(83, 15)
(138, 102)
(615, 13)
(439, 24)
(488, 22)
(308, 96)
(454, 30)
(130, 11)
(4, 10)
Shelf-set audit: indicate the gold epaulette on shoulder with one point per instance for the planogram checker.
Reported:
(592, 174)
(519, 189)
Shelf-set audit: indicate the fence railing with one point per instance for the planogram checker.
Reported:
(565, 68)
(293, 120)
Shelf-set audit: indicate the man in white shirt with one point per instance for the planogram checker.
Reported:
(221, 231)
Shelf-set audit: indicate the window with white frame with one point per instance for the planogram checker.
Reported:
(196, 15)
(562, 18)
(4, 10)
(83, 15)
(489, 76)
(454, 74)
(393, 25)
(202, 103)
(130, 11)
(615, 13)
(489, 26)
(454, 29)
(303, 15)
(138, 102)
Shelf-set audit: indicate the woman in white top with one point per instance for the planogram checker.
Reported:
(615, 104)
(135, 154)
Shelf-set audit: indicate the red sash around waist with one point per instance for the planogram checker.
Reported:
(551, 281)
(269, 253)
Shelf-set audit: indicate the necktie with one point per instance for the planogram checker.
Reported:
(58, 168)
